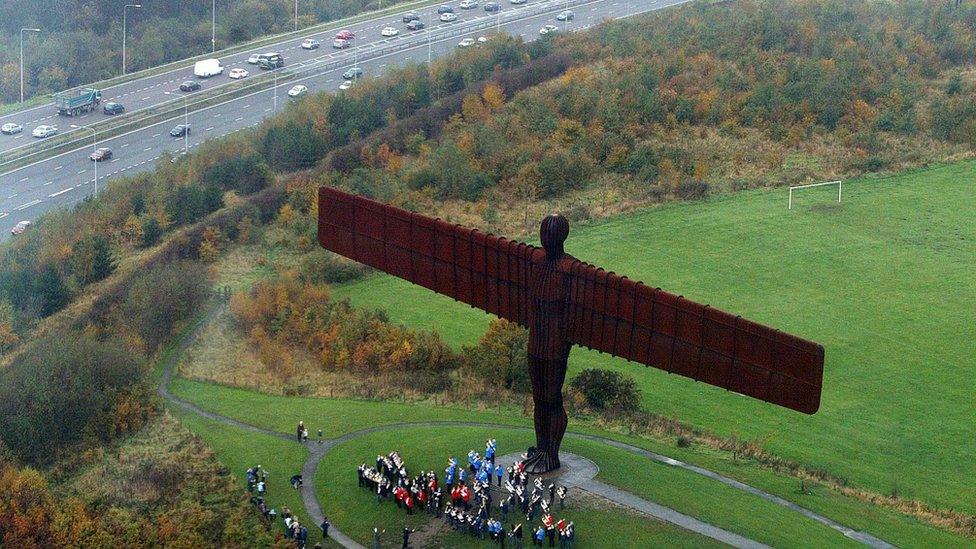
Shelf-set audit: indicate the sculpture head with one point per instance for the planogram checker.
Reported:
(553, 232)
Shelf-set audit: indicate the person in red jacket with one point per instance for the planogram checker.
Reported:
(408, 502)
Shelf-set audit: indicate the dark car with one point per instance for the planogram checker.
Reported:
(273, 62)
(415, 25)
(180, 130)
(113, 108)
(189, 86)
(445, 9)
(101, 154)
(408, 17)
(353, 73)
(492, 7)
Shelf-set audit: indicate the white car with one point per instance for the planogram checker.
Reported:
(346, 84)
(448, 18)
(482, 39)
(466, 42)
(310, 44)
(44, 131)
(20, 227)
(389, 31)
(10, 128)
(548, 29)
(297, 91)
(237, 74)
(253, 60)
(468, 4)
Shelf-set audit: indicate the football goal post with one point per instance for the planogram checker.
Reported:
(840, 189)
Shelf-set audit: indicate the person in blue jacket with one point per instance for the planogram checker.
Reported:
(540, 535)
(499, 472)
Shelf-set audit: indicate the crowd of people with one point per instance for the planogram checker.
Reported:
(465, 498)
(257, 486)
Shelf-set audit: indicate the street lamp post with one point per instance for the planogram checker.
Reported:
(275, 90)
(125, 7)
(213, 27)
(296, 15)
(429, 52)
(22, 31)
(94, 148)
(186, 123)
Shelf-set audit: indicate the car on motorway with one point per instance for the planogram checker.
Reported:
(311, 44)
(411, 16)
(238, 73)
(20, 227)
(180, 130)
(44, 130)
(345, 35)
(10, 128)
(190, 86)
(275, 61)
(389, 31)
(346, 85)
(492, 7)
(445, 9)
(466, 42)
(113, 108)
(448, 17)
(517, 2)
(253, 60)
(468, 4)
(297, 91)
(565, 15)
(415, 25)
(352, 73)
(482, 39)
(100, 154)
(340, 44)
(548, 29)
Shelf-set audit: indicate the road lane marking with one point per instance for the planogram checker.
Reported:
(28, 205)
(15, 195)
(22, 180)
(59, 193)
(147, 149)
(48, 183)
(82, 171)
(206, 129)
(124, 145)
(156, 135)
(58, 168)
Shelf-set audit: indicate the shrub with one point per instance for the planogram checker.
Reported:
(159, 299)
(499, 358)
(691, 189)
(320, 266)
(607, 390)
(60, 391)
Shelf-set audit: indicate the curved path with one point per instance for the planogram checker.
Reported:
(318, 450)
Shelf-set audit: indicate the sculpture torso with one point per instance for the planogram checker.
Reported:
(548, 311)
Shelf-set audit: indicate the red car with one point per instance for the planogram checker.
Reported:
(101, 154)
(345, 35)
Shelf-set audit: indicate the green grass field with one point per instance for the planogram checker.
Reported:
(885, 281)
(709, 500)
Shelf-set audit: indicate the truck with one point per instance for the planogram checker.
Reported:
(207, 68)
(75, 102)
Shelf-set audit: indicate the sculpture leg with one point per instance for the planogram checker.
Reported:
(550, 416)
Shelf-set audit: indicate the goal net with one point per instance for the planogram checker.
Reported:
(840, 189)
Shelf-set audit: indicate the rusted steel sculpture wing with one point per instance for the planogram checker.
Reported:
(624, 318)
(607, 312)
(485, 271)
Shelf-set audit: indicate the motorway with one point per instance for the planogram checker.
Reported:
(62, 180)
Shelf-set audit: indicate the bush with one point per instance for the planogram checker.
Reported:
(159, 299)
(499, 359)
(320, 266)
(607, 390)
(60, 391)
(691, 189)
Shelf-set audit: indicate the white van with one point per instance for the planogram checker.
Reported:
(207, 68)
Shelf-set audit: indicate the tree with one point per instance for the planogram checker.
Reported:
(152, 231)
(51, 288)
(499, 359)
(91, 259)
(607, 390)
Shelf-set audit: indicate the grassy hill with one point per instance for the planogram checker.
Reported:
(884, 281)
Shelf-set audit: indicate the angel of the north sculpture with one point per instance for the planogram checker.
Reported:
(563, 301)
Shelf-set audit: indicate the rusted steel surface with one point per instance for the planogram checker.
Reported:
(604, 311)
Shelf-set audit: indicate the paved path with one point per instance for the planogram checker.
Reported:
(582, 476)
